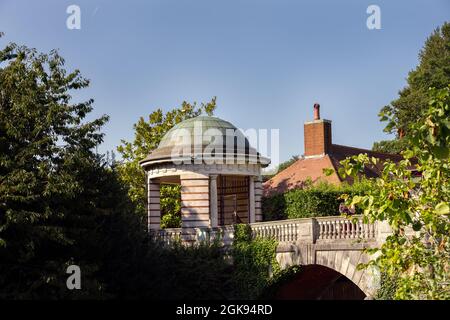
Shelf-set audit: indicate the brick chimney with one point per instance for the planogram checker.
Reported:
(317, 135)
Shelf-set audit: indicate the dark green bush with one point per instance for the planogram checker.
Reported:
(254, 261)
(388, 287)
(301, 203)
(313, 201)
(274, 207)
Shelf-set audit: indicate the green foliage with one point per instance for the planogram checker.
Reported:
(432, 71)
(148, 134)
(388, 287)
(171, 220)
(390, 146)
(254, 263)
(274, 207)
(418, 251)
(170, 206)
(54, 191)
(156, 272)
(312, 201)
(153, 271)
(242, 233)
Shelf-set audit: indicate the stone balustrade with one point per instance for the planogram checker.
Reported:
(168, 236)
(342, 228)
(282, 231)
(305, 230)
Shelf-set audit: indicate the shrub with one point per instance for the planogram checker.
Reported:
(388, 287)
(254, 262)
(312, 201)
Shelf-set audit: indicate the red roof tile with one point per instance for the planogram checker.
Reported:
(312, 168)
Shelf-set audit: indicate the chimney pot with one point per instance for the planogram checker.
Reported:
(317, 138)
(316, 111)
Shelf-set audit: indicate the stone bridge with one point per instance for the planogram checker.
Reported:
(335, 243)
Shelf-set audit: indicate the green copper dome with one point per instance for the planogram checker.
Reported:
(205, 122)
(204, 136)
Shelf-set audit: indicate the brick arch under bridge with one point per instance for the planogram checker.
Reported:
(317, 282)
(343, 259)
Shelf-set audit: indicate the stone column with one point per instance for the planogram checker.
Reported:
(194, 206)
(154, 209)
(213, 203)
(258, 198)
(251, 199)
(383, 230)
(307, 231)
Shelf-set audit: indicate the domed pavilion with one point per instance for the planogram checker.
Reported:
(217, 168)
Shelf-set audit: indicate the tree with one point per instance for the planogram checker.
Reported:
(433, 71)
(390, 146)
(48, 172)
(417, 254)
(148, 134)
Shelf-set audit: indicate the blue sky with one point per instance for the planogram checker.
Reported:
(267, 62)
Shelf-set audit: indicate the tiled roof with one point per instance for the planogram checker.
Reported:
(312, 167)
(295, 175)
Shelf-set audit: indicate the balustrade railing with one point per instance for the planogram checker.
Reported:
(169, 236)
(283, 231)
(342, 228)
